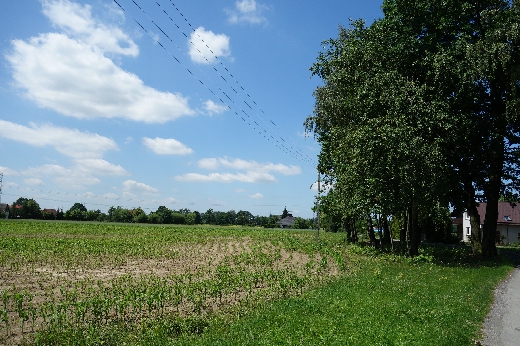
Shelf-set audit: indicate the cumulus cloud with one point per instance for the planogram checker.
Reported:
(215, 163)
(34, 181)
(69, 142)
(166, 146)
(213, 108)
(254, 172)
(76, 20)
(62, 176)
(132, 186)
(205, 46)
(257, 196)
(249, 177)
(70, 73)
(99, 167)
(247, 11)
(8, 171)
(111, 196)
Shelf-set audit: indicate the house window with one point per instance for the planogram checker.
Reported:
(468, 231)
(507, 218)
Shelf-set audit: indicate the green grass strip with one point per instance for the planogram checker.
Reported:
(383, 304)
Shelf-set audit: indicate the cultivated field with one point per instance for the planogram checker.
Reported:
(126, 284)
(62, 278)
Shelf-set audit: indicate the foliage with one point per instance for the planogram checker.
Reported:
(301, 223)
(419, 110)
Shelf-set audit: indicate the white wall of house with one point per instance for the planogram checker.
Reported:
(466, 228)
(511, 233)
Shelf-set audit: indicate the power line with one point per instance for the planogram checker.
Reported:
(278, 140)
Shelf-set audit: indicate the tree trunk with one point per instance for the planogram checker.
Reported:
(415, 233)
(387, 237)
(403, 231)
(354, 232)
(496, 171)
(371, 234)
(476, 236)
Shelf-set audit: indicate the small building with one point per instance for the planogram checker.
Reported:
(5, 208)
(53, 212)
(508, 222)
(287, 222)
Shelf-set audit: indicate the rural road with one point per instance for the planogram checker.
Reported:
(502, 325)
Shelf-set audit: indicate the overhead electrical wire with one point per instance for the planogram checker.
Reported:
(305, 157)
(283, 144)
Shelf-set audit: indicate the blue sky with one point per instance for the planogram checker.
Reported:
(187, 104)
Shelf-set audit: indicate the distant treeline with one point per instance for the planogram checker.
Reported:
(30, 209)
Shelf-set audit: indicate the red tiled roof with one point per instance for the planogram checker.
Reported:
(504, 210)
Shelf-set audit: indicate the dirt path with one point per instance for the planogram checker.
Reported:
(502, 325)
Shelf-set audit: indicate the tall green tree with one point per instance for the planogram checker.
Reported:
(30, 209)
(420, 109)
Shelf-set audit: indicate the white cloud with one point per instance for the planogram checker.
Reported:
(205, 46)
(10, 184)
(99, 167)
(72, 143)
(257, 196)
(34, 181)
(132, 186)
(249, 177)
(111, 195)
(7, 171)
(169, 200)
(128, 195)
(209, 163)
(77, 20)
(62, 176)
(213, 108)
(166, 146)
(72, 76)
(254, 171)
(214, 163)
(248, 11)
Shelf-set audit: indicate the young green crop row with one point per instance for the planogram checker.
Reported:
(61, 276)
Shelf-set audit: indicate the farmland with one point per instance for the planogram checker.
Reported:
(99, 283)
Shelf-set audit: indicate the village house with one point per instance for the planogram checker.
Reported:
(508, 223)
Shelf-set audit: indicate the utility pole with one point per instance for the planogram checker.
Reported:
(1, 178)
(318, 210)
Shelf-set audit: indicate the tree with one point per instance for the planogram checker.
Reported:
(178, 218)
(78, 206)
(30, 209)
(78, 212)
(165, 215)
(301, 223)
(139, 215)
(419, 110)
(285, 213)
(120, 214)
(244, 217)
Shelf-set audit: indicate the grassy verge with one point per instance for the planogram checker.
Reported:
(383, 304)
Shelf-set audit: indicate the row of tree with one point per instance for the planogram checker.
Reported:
(30, 209)
(419, 113)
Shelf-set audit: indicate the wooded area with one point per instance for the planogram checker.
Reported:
(417, 117)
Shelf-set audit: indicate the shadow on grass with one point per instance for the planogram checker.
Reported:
(446, 255)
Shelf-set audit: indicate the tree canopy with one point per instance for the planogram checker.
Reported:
(420, 110)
